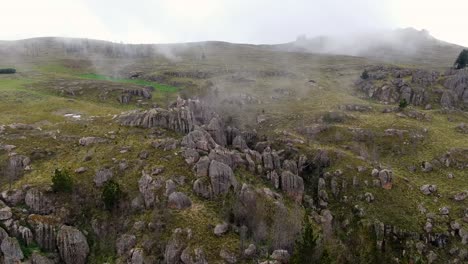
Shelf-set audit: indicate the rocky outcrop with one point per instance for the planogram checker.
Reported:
(457, 83)
(182, 117)
(44, 228)
(16, 166)
(216, 130)
(38, 202)
(199, 139)
(72, 245)
(293, 185)
(222, 178)
(176, 245)
(148, 186)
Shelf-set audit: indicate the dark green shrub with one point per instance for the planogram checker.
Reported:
(304, 249)
(462, 60)
(111, 194)
(403, 103)
(365, 75)
(7, 71)
(62, 181)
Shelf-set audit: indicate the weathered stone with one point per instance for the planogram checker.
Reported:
(250, 251)
(170, 187)
(202, 187)
(191, 156)
(147, 186)
(38, 202)
(199, 139)
(178, 200)
(222, 178)
(239, 143)
(37, 258)
(11, 250)
(137, 256)
(202, 166)
(216, 129)
(176, 245)
(221, 229)
(281, 256)
(293, 185)
(227, 256)
(386, 179)
(45, 230)
(461, 196)
(165, 144)
(87, 141)
(428, 189)
(102, 176)
(13, 197)
(72, 245)
(124, 244)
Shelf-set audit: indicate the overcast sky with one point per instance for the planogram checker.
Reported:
(244, 21)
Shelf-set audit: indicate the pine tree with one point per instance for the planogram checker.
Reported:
(305, 245)
(462, 60)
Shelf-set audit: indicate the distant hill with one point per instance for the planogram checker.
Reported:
(405, 46)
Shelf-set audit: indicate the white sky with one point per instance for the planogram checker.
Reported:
(247, 21)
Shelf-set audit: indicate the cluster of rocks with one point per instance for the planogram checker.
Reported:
(127, 94)
(389, 85)
(457, 84)
(38, 225)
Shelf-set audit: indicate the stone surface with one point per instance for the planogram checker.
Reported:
(72, 245)
(222, 178)
(179, 200)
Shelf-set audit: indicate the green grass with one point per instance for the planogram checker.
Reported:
(160, 87)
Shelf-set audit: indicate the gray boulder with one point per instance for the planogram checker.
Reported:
(72, 245)
(428, 189)
(148, 186)
(202, 166)
(217, 131)
(44, 228)
(198, 139)
(13, 197)
(202, 188)
(38, 202)
(124, 244)
(221, 229)
(11, 250)
(37, 258)
(176, 246)
(222, 178)
(179, 200)
(293, 185)
(281, 256)
(102, 176)
(228, 256)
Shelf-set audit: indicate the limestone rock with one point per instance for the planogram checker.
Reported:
(202, 166)
(44, 228)
(11, 250)
(293, 185)
(199, 139)
(179, 200)
(38, 202)
(102, 176)
(72, 245)
(222, 178)
(148, 186)
(124, 244)
(13, 197)
(227, 256)
(87, 141)
(221, 229)
(202, 187)
(428, 189)
(281, 256)
(176, 245)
